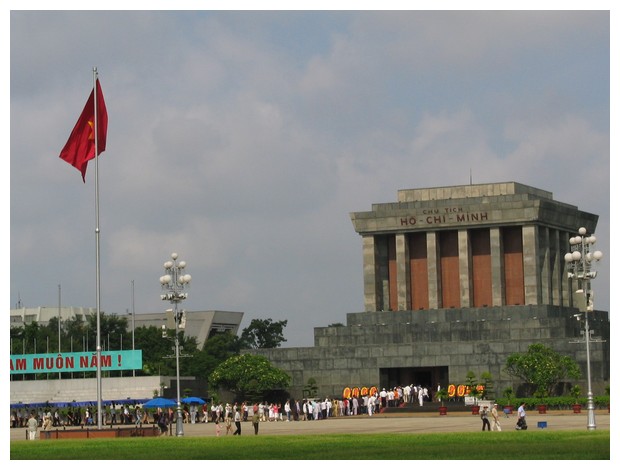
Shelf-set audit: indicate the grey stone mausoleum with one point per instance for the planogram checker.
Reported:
(455, 279)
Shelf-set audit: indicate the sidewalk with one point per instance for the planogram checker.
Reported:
(402, 423)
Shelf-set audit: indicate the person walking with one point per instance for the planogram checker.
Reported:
(228, 420)
(383, 396)
(371, 404)
(162, 421)
(47, 422)
(193, 410)
(172, 414)
(495, 416)
(138, 412)
(296, 410)
(237, 423)
(521, 424)
(484, 416)
(32, 424)
(255, 421)
(287, 410)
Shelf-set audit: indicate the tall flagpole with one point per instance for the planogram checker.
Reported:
(133, 322)
(98, 294)
(59, 374)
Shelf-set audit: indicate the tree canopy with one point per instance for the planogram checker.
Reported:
(542, 368)
(215, 350)
(263, 334)
(157, 352)
(249, 376)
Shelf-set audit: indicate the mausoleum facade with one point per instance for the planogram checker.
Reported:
(455, 279)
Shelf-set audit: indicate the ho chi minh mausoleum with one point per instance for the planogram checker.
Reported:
(455, 279)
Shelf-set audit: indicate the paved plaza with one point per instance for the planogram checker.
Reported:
(419, 422)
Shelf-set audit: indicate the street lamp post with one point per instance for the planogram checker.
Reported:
(579, 263)
(174, 282)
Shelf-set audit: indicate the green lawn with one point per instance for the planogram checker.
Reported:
(551, 445)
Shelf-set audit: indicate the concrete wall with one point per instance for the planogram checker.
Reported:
(54, 390)
(477, 339)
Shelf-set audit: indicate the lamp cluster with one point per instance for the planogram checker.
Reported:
(174, 281)
(579, 263)
(581, 257)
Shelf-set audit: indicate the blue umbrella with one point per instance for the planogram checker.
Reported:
(158, 402)
(193, 401)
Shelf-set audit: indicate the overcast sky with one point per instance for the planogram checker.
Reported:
(243, 141)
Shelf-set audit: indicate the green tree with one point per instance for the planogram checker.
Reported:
(250, 377)
(541, 368)
(51, 330)
(508, 394)
(472, 384)
(263, 334)
(487, 385)
(216, 349)
(74, 335)
(154, 348)
(17, 340)
(111, 329)
(311, 389)
(442, 395)
(31, 338)
(158, 353)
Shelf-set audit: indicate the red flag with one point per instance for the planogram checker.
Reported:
(80, 148)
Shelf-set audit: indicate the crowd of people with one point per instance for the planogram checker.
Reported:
(291, 410)
(80, 416)
(405, 394)
(229, 414)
